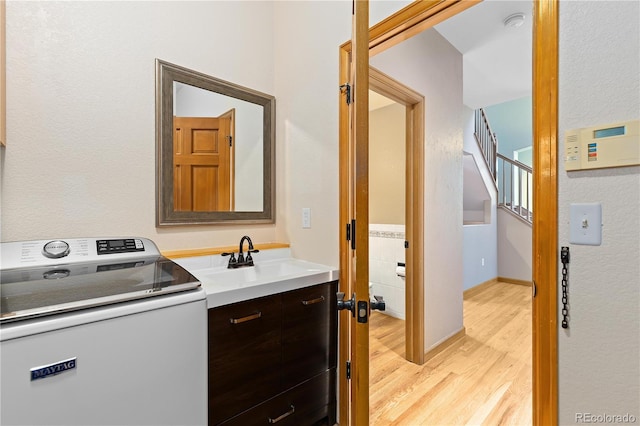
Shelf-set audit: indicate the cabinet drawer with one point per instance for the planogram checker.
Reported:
(312, 402)
(244, 356)
(309, 332)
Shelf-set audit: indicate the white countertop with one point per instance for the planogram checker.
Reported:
(275, 271)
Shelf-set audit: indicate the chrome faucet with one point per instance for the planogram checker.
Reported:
(241, 260)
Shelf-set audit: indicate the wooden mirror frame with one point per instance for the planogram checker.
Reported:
(166, 75)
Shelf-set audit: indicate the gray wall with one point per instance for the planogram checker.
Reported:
(515, 247)
(480, 241)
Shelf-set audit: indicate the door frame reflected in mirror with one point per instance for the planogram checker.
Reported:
(166, 214)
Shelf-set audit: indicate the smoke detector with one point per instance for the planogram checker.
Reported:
(514, 21)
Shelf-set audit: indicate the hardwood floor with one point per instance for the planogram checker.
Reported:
(482, 379)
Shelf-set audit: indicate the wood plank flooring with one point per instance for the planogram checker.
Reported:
(482, 379)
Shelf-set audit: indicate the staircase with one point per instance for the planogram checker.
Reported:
(514, 179)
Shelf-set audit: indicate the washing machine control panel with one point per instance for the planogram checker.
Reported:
(20, 254)
(127, 245)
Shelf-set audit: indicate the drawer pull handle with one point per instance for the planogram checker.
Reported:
(245, 319)
(313, 301)
(285, 415)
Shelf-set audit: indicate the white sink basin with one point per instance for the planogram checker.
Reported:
(264, 272)
(224, 286)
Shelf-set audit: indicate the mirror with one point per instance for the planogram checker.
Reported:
(215, 147)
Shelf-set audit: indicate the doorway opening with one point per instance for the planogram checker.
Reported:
(408, 22)
(387, 266)
(411, 178)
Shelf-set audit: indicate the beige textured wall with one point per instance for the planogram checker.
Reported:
(387, 155)
(307, 37)
(81, 111)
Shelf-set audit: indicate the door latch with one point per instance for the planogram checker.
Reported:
(363, 311)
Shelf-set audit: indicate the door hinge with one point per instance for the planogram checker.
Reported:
(230, 139)
(351, 234)
(346, 89)
(348, 369)
(406, 244)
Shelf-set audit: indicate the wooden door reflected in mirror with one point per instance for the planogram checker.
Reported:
(202, 163)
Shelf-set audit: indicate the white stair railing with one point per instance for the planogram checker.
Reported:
(515, 187)
(486, 139)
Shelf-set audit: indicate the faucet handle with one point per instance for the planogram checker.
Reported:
(232, 260)
(249, 258)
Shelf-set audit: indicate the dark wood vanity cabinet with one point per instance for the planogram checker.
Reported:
(272, 360)
(244, 355)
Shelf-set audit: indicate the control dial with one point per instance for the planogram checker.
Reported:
(56, 249)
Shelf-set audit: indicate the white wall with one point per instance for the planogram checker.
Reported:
(381, 9)
(430, 65)
(600, 83)
(479, 241)
(386, 250)
(80, 158)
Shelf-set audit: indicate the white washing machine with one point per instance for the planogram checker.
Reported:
(100, 331)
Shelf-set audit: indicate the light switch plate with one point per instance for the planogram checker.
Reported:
(306, 217)
(585, 224)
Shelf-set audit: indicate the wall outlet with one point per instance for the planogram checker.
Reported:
(306, 217)
(482, 261)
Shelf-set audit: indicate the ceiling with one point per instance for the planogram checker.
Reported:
(497, 59)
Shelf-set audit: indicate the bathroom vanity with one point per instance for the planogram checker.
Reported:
(272, 340)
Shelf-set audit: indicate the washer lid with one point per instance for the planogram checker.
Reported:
(47, 290)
